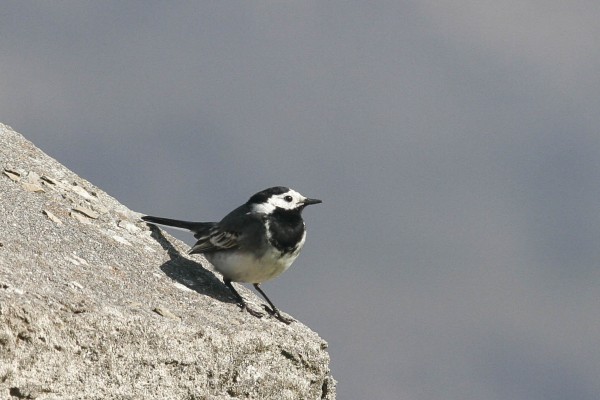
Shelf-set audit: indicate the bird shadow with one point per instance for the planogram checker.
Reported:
(190, 274)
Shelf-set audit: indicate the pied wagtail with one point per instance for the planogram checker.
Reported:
(254, 243)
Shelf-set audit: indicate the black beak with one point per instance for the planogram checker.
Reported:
(308, 202)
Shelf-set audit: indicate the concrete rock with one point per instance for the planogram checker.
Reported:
(96, 305)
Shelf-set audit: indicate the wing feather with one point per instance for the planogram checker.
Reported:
(216, 239)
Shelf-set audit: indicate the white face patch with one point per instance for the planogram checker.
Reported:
(288, 201)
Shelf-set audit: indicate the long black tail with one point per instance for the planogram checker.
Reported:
(188, 225)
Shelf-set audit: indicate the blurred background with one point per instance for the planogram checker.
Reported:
(456, 147)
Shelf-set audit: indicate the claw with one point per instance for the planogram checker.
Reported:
(275, 313)
(250, 311)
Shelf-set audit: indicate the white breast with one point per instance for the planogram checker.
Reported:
(245, 267)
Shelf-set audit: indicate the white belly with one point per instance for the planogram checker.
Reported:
(245, 267)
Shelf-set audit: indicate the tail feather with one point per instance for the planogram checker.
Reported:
(187, 225)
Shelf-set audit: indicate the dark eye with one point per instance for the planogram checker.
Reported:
(288, 199)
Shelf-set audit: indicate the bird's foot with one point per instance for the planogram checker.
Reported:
(250, 311)
(275, 313)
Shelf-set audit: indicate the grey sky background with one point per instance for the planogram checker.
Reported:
(456, 146)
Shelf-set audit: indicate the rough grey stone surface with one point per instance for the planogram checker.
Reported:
(96, 305)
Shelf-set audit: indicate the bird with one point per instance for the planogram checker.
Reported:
(254, 243)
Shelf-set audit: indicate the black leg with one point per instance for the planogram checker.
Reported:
(240, 299)
(273, 310)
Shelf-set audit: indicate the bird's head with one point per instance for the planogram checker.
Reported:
(279, 197)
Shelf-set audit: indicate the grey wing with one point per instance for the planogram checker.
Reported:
(227, 234)
(215, 239)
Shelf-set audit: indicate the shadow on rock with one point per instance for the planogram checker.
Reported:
(189, 273)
